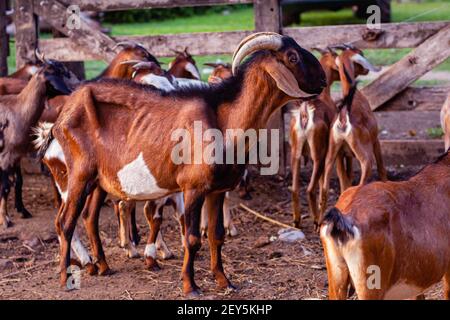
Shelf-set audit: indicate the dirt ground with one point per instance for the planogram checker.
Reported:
(278, 270)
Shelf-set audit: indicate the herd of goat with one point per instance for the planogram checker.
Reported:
(112, 136)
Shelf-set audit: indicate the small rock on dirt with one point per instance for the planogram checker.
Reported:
(6, 264)
(290, 235)
(262, 242)
(33, 242)
(49, 237)
(275, 255)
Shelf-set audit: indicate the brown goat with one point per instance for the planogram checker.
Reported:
(132, 118)
(18, 114)
(220, 72)
(184, 66)
(445, 121)
(354, 131)
(309, 131)
(15, 82)
(391, 240)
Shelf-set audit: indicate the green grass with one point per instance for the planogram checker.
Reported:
(242, 19)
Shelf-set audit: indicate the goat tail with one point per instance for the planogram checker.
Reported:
(43, 137)
(347, 100)
(340, 227)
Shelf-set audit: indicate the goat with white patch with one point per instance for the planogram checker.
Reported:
(101, 117)
(391, 240)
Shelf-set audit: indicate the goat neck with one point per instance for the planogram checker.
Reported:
(258, 99)
(32, 100)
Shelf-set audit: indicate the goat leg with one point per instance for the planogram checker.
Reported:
(18, 193)
(193, 203)
(134, 232)
(153, 214)
(5, 188)
(216, 235)
(91, 223)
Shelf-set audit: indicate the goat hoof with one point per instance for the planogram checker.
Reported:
(25, 214)
(133, 254)
(91, 269)
(7, 224)
(151, 264)
(193, 293)
(232, 232)
(167, 255)
(103, 269)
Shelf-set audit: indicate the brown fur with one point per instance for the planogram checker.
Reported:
(403, 228)
(178, 65)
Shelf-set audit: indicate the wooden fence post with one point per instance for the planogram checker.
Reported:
(268, 18)
(26, 31)
(4, 43)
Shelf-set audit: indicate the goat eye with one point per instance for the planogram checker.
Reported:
(293, 58)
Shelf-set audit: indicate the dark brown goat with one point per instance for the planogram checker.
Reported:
(132, 120)
(391, 240)
(18, 114)
(184, 66)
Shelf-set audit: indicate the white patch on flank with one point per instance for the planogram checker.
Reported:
(54, 150)
(137, 181)
(338, 134)
(192, 70)
(402, 290)
(159, 82)
(79, 250)
(150, 251)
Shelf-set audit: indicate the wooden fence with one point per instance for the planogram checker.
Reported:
(391, 91)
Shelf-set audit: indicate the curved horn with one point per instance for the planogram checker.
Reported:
(143, 64)
(129, 43)
(131, 62)
(40, 56)
(255, 42)
(339, 47)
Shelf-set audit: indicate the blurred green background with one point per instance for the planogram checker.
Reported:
(240, 17)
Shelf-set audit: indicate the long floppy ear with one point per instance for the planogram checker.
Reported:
(285, 80)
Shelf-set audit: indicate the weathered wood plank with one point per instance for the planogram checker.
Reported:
(413, 98)
(110, 5)
(26, 31)
(206, 43)
(411, 152)
(4, 44)
(87, 38)
(394, 35)
(400, 75)
(418, 99)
